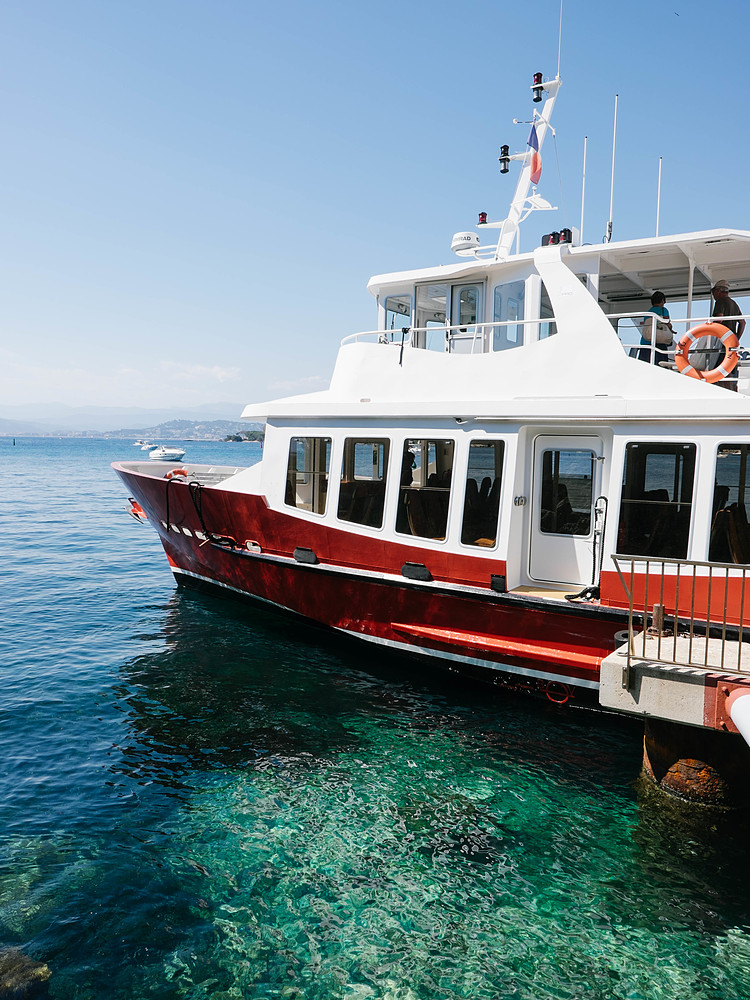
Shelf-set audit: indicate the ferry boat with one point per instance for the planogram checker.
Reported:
(502, 479)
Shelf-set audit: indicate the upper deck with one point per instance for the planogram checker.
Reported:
(549, 333)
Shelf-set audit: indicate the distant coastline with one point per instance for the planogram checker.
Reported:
(171, 430)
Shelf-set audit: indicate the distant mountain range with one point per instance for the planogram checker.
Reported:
(198, 422)
(183, 430)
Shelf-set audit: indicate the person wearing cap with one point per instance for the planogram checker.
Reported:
(725, 306)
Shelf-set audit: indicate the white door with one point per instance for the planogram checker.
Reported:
(567, 478)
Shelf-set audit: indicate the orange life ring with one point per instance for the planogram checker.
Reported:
(558, 693)
(728, 339)
(176, 472)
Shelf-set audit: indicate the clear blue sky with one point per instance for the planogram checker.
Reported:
(194, 194)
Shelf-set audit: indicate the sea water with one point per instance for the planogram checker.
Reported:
(201, 799)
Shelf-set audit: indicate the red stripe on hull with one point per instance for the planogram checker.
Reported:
(539, 651)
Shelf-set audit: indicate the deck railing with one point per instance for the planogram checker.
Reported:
(687, 613)
(478, 338)
(465, 338)
(640, 324)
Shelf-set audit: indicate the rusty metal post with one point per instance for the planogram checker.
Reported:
(657, 619)
(697, 765)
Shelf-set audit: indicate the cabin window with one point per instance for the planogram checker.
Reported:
(567, 491)
(397, 312)
(730, 534)
(508, 305)
(482, 497)
(424, 493)
(547, 327)
(656, 502)
(362, 488)
(307, 473)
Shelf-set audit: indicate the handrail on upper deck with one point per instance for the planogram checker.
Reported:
(394, 336)
(668, 349)
(404, 336)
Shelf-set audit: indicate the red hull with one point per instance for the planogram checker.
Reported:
(354, 583)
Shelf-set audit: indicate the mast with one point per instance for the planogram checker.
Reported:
(522, 204)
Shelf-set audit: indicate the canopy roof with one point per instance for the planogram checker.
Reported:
(628, 271)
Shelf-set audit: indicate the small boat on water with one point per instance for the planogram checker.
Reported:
(146, 445)
(161, 453)
(515, 478)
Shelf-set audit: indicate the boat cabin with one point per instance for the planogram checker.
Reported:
(486, 306)
(497, 414)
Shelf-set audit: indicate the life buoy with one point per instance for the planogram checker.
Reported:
(728, 339)
(176, 472)
(557, 692)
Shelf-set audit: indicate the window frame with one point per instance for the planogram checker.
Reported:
(312, 444)
(365, 497)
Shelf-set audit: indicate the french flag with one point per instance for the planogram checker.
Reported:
(536, 157)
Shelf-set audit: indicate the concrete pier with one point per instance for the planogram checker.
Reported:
(691, 748)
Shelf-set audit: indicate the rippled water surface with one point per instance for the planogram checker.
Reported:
(200, 799)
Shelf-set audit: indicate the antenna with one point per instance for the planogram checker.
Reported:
(559, 41)
(608, 237)
(583, 187)
(658, 198)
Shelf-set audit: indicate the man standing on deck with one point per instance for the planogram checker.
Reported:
(724, 307)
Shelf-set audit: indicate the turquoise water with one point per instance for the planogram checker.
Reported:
(200, 799)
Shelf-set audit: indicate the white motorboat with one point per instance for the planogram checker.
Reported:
(161, 453)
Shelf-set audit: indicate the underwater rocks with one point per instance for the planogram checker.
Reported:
(21, 978)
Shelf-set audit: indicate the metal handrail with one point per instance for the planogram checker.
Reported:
(667, 349)
(383, 336)
(672, 628)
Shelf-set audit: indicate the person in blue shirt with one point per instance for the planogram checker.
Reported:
(660, 330)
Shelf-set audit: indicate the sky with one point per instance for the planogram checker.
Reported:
(195, 192)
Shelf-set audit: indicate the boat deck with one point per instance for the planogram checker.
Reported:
(206, 475)
(548, 593)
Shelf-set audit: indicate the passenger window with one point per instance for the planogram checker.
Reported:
(508, 305)
(397, 312)
(307, 473)
(730, 534)
(567, 491)
(656, 503)
(424, 493)
(482, 498)
(363, 476)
